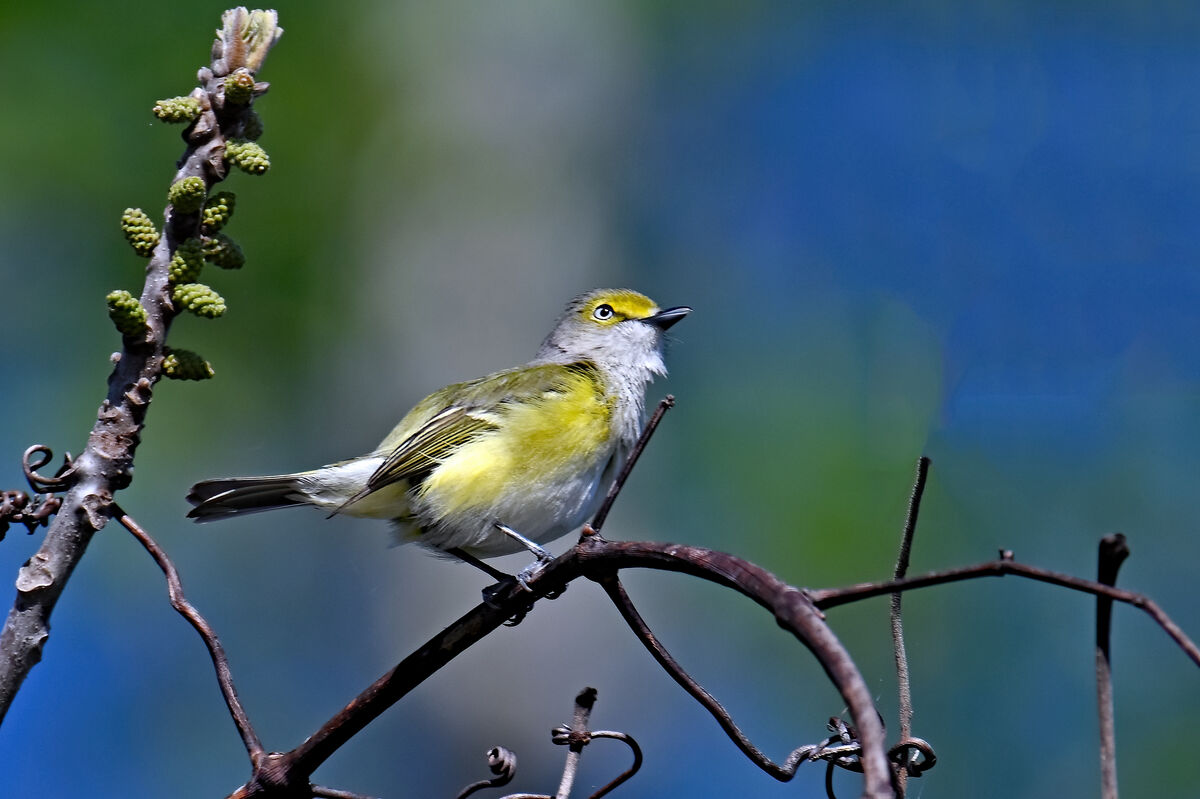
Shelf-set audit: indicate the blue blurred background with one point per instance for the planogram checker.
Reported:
(963, 230)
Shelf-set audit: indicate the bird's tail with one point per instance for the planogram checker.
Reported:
(234, 496)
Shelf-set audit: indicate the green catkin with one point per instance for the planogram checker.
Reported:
(177, 109)
(217, 210)
(239, 87)
(247, 156)
(187, 262)
(139, 231)
(222, 251)
(186, 365)
(187, 195)
(126, 313)
(198, 299)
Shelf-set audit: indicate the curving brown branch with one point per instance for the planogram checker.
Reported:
(283, 774)
(105, 465)
(832, 597)
(599, 559)
(859, 748)
(287, 774)
(782, 772)
(254, 747)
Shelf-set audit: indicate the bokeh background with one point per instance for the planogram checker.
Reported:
(967, 230)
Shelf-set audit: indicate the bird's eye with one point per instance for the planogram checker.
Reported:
(603, 313)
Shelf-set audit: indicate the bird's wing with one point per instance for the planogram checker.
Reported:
(418, 454)
(459, 413)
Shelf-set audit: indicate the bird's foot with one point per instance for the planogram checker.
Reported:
(532, 572)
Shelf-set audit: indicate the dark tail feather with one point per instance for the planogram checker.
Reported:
(220, 499)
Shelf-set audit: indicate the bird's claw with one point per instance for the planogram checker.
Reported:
(533, 571)
(491, 592)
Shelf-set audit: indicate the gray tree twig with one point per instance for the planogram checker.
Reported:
(105, 465)
(903, 684)
(1112, 553)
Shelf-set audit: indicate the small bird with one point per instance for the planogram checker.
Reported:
(502, 463)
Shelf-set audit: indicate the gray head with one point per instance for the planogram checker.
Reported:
(614, 327)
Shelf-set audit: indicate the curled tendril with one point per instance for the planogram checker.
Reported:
(39, 483)
(501, 762)
(914, 754)
(842, 750)
(17, 507)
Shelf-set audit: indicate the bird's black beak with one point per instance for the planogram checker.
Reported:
(664, 319)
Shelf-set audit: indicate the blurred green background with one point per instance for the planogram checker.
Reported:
(964, 230)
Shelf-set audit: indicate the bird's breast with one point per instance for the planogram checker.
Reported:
(555, 444)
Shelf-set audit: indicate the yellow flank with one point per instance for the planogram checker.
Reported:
(540, 441)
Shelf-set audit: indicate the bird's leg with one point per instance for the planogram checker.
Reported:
(501, 577)
(533, 569)
(538, 552)
(488, 569)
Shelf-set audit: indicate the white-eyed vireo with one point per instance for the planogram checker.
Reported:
(530, 449)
